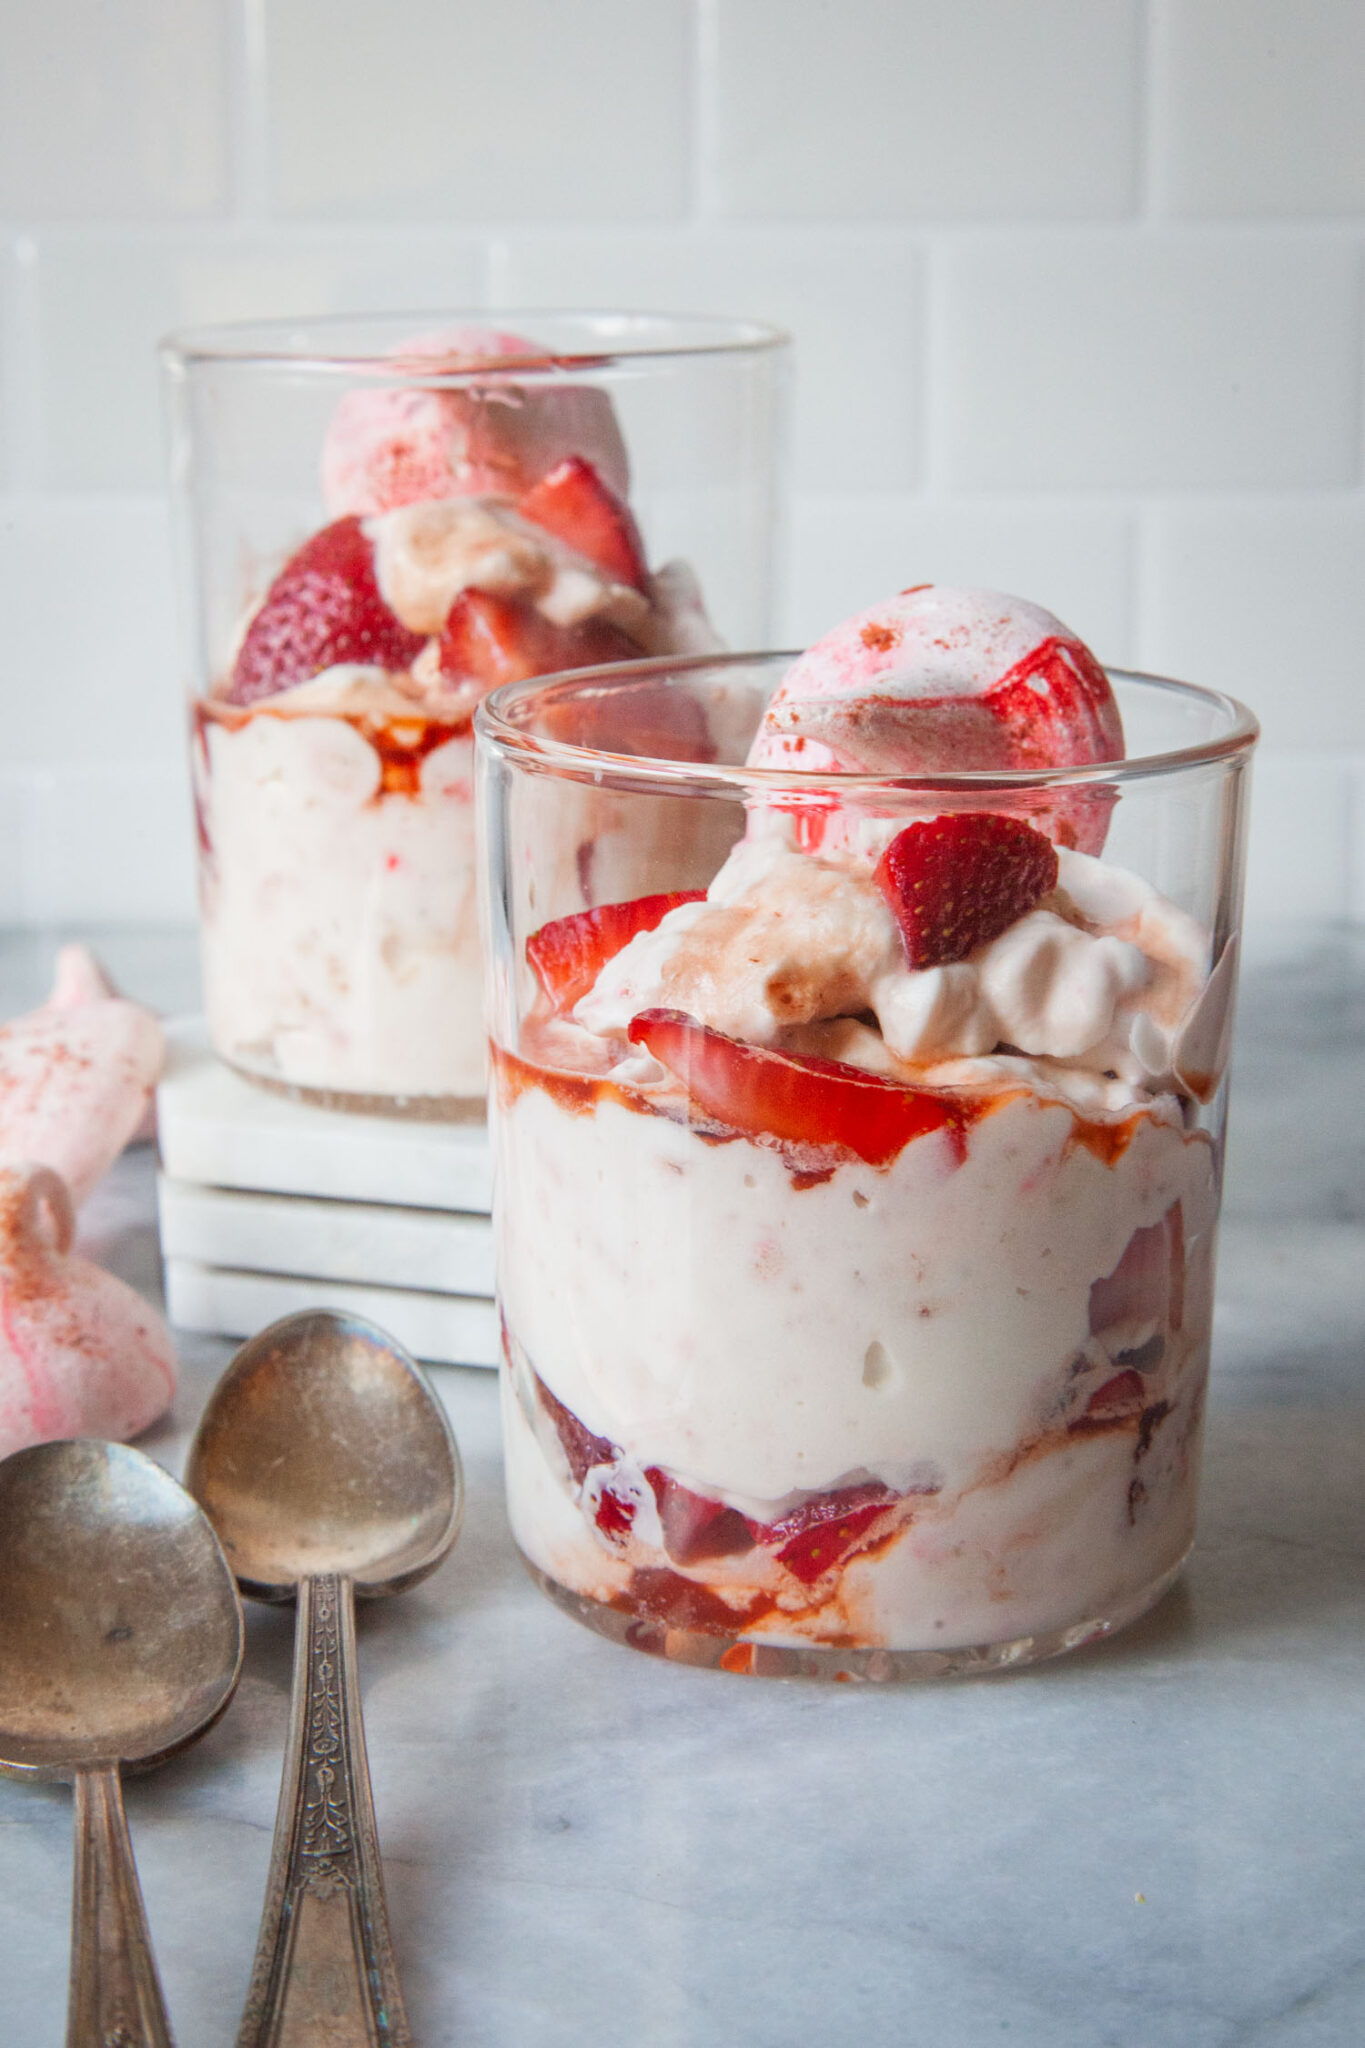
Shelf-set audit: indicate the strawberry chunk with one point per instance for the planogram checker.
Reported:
(575, 505)
(823, 1531)
(491, 640)
(1117, 1399)
(582, 1449)
(569, 954)
(797, 1100)
(323, 607)
(954, 883)
(695, 1527)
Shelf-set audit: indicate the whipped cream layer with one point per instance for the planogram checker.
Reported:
(1096, 992)
(338, 916)
(993, 1346)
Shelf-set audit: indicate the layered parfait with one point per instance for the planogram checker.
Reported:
(856, 1215)
(476, 532)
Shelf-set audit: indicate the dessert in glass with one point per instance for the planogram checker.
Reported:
(855, 1210)
(381, 520)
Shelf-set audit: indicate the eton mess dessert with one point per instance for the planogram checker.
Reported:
(856, 1215)
(478, 531)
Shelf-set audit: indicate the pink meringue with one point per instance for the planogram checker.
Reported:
(387, 447)
(81, 1353)
(943, 680)
(77, 1075)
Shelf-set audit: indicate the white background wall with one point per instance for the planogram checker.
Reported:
(1077, 287)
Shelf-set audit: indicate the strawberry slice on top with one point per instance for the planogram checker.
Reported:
(323, 607)
(569, 954)
(490, 640)
(956, 882)
(794, 1098)
(573, 503)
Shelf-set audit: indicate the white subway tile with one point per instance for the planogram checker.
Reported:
(896, 109)
(13, 799)
(113, 112)
(111, 844)
(850, 301)
(85, 594)
(444, 109)
(850, 551)
(1267, 601)
(1257, 106)
(100, 410)
(1297, 846)
(1137, 361)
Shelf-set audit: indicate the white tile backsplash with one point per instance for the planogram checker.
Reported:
(850, 300)
(114, 112)
(1144, 361)
(1257, 107)
(849, 551)
(90, 664)
(1076, 288)
(452, 110)
(98, 403)
(910, 109)
(1266, 601)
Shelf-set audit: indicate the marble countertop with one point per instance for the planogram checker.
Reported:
(1154, 1841)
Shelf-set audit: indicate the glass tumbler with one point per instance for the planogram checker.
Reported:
(818, 1361)
(379, 520)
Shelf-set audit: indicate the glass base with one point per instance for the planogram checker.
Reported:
(750, 1657)
(431, 1109)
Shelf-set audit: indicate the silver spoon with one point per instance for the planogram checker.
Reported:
(328, 1468)
(122, 1635)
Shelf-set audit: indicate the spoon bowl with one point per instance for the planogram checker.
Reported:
(327, 1466)
(323, 1449)
(122, 1639)
(122, 1633)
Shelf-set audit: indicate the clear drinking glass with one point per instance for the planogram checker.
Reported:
(380, 519)
(807, 1368)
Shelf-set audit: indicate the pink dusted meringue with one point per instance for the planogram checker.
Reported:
(938, 679)
(387, 447)
(81, 1353)
(78, 1075)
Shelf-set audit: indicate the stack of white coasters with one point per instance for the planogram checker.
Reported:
(269, 1205)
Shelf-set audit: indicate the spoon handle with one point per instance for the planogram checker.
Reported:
(115, 2000)
(324, 1969)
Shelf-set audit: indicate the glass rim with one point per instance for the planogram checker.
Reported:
(624, 337)
(494, 726)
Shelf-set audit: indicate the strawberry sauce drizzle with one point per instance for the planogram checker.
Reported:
(402, 744)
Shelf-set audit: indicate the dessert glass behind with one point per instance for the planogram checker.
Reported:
(336, 840)
(850, 1409)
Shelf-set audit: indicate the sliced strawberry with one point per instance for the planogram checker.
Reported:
(695, 1527)
(825, 1529)
(1117, 1399)
(956, 882)
(569, 954)
(574, 504)
(490, 640)
(798, 1100)
(323, 607)
(582, 1449)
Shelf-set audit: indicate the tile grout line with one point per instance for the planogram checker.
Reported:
(251, 146)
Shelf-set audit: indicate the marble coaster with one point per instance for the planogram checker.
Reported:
(217, 1130)
(440, 1329)
(368, 1243)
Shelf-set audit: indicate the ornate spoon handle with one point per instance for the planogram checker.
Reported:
(115, 2000)
(324, 1974)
